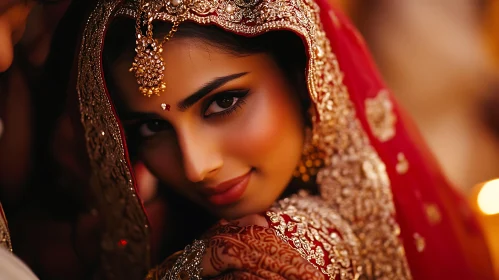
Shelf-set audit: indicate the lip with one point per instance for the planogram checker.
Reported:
(229, 191)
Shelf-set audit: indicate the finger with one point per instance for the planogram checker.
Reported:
(222, 227)
(238, 248)
(237, 226)
(238, 275)
(258, 251)
(244, 275)
(262, 265)
(291, 263)
(250, 220)
(276, 256)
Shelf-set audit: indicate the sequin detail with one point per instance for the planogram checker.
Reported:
(380, 116)
(353, 182)
(319, 234)
(419, 242)
(4, 231)
(402, 164)
(111, 179)
(433, 213)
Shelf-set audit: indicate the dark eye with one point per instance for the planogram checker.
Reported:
(226, 102)
(150, 128)
(221, 104)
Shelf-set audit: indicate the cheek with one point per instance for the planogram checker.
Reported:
(271, 133)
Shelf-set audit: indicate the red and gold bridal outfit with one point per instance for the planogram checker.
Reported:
(385, 210)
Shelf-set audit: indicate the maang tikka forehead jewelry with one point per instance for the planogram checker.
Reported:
(148, 65)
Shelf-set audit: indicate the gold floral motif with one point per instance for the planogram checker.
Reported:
(419, 242)
(380, 116)
(4, 231)
(319, 234)
(354, 181)
(432, 213)
(402, 164)
(111, 180)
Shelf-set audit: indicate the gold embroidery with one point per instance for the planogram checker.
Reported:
(433, 213)
(380, 116)
(319, 234)
(402, 165)
(353, 182)
(420, 242)
(111, 178)
(4, 231)
(161, 270)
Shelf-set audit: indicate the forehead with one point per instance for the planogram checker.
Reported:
(189, 64)
(196, 58)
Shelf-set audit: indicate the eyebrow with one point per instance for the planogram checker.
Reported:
(128, 115)
(206, 89)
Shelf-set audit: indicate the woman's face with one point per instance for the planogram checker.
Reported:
(233, 133)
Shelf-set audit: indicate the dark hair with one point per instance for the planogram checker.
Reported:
(285, 47)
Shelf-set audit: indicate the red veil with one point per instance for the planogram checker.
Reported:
(442, 239)
(438, 232)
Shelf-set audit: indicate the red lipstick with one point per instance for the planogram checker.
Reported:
(229, 191)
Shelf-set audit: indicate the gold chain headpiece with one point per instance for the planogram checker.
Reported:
(148, 65)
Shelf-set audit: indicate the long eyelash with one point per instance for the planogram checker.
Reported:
(239, 104)
(241, 100)
(132, 130)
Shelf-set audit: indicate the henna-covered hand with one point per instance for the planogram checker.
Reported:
(239, 275)
(246, 249)
(252, 252)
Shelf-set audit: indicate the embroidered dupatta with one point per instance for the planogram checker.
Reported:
(379, 176)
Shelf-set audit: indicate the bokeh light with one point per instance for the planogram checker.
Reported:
(488, 198)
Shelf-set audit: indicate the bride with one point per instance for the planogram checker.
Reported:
(270, 117)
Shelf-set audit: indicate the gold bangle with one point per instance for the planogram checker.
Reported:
(160, 270)
(188, 265)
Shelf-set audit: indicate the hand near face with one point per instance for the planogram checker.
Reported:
(247, 252)
(252, 252)
(248, 220)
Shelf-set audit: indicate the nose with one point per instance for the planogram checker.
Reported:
(200, 157)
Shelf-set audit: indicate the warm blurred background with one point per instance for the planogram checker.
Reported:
(441, 59)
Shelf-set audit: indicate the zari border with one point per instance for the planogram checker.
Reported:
(125, 240)
(4, 231)
(354, 181)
